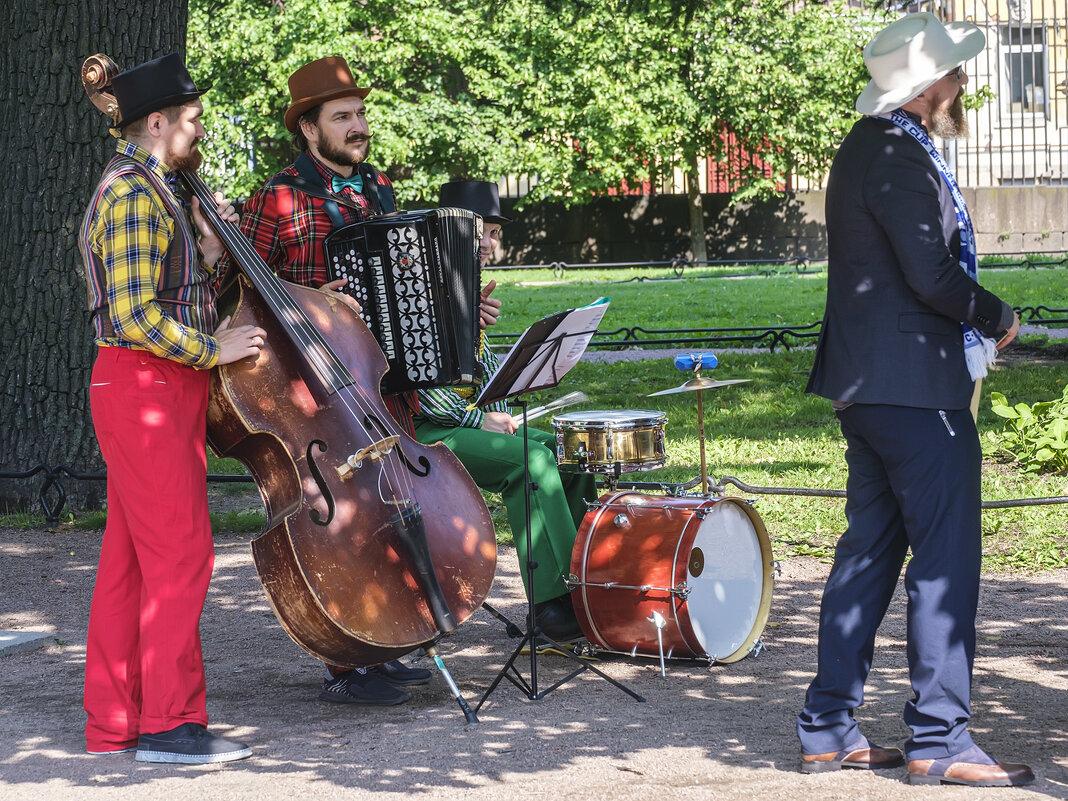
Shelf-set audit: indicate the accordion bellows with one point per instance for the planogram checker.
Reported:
(417, 277)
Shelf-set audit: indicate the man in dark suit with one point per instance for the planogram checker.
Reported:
(906, 335)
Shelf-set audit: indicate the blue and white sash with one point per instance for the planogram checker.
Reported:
(979, 351)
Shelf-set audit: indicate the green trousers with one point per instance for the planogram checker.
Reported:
(557, 506)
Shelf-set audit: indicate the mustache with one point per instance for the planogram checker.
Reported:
(367, 137)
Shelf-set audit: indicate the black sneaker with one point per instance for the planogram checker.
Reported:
(401, 675)
(361, 687)
(188, 744)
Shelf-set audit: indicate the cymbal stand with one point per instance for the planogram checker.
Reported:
(701, 437)
(533, 637)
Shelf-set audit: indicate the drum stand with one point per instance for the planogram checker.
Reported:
(533, 636)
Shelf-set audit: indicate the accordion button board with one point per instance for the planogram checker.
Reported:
(417, 278)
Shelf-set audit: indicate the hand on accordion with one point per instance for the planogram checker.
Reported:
(490, 308)
(335, 286)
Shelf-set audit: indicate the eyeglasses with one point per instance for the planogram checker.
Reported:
(958, 73)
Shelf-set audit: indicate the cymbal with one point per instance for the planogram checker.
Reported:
(695, 384)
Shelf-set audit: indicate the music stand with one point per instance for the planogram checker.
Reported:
(539, 361)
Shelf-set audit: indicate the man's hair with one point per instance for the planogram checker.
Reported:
(300, 141)
(138, 126)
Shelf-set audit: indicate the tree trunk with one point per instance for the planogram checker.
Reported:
(55, 145)
(698, 248)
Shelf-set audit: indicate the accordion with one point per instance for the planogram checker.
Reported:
(417, 276)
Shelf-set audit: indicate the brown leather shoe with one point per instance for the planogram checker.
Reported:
(969, 768)
(870, 757)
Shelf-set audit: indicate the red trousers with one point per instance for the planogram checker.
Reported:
(143, 667)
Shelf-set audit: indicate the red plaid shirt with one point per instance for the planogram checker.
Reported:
(287, 227)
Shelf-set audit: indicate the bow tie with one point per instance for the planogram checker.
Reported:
(337, 183)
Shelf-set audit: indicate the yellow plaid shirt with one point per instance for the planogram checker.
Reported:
(130, 231)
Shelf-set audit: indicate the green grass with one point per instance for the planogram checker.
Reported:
(784, 299)
(769, 432)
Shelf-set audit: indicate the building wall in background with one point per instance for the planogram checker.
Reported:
(1008, 220)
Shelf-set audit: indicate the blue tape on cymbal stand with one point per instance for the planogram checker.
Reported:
(695, 361)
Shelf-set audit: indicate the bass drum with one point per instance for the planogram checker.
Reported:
(704, 565)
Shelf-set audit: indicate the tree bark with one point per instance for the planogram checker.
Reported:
(698, 247)
(55, 145)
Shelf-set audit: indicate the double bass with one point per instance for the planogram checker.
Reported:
(374, 544)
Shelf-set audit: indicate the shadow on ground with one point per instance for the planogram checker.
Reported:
(703, 732)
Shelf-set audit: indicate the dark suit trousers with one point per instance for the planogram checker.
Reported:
(911, 485)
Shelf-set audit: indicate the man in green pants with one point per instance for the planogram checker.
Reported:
(486, 443)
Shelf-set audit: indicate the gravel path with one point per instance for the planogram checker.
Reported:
(704, 733)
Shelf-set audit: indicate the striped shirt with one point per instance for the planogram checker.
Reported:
(126, 239)
(447, 407)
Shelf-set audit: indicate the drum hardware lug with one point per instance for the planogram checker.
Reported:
(621, 521)
(776, 569)
(658, 622)
(757, 649)
(572, 581)
(682, 590)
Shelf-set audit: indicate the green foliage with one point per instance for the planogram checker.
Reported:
(973, 101)
(1036, 436)
(581, 97)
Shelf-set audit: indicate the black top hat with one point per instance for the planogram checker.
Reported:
(152, 86)
(478, 196)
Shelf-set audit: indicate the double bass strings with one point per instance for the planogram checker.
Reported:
(331, 372)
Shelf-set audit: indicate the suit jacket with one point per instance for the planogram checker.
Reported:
(896, 293)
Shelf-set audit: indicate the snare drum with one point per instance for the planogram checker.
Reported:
(704, 565)
(595, 441)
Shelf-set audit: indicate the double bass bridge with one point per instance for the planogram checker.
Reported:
(375, 452)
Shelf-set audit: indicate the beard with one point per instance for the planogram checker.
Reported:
(349, 153)
(949, 122)
(189, 162)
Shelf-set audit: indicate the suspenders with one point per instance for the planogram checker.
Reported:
(310, 182)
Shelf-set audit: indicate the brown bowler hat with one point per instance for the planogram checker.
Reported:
(313, 84)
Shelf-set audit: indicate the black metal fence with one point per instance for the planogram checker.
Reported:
(52, 495)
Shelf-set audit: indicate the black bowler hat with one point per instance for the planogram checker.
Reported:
(478, 196)
(153, 86)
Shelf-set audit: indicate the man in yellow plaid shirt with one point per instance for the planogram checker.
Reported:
(151, 294)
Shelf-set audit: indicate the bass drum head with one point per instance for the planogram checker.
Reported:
(729, 576)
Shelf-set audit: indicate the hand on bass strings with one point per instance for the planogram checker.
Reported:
(490, 308)
(349, 300)
(211, 246)
(499, 422)
(238, 343)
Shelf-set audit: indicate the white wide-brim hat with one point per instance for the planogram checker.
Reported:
(909, 55)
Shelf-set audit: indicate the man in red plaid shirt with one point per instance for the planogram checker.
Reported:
(329, 185)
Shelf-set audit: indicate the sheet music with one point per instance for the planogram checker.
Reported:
(545, 352)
